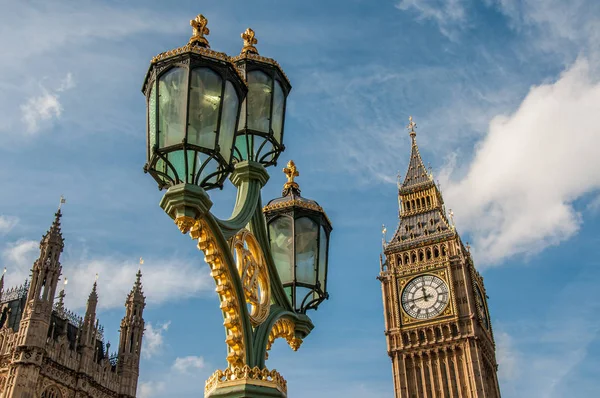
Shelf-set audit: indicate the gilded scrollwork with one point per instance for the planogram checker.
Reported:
(284, 328)
(254, 275)
(225, 289)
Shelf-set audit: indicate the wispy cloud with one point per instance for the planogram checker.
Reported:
(70, 43)
(164, 279)
(40, 109)
(154, 339)
(556, 26)
(188, 364)
(518, 193)
(541, 358)
(180, 378)
(18, 257)
(449, 15)
(149, 389)
(7, 223)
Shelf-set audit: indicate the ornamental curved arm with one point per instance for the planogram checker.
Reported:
(255, 307)
(249, 177)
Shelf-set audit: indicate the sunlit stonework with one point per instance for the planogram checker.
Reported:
(50, 352)
(437, 323)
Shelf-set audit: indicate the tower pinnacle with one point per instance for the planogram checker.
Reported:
(411, 128)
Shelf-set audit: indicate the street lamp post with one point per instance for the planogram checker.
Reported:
(211, 116)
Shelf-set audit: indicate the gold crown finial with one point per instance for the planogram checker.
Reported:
(291, 172)
(411, 127)
(198, 25)
(249, 42)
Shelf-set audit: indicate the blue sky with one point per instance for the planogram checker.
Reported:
(506, 95)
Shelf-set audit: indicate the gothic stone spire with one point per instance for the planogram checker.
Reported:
(416, 173)
(422, 212)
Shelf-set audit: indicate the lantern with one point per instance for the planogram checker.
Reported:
(259, 135)
(299, 238)
(193, 97)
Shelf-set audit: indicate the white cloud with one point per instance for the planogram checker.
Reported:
(19, 257)
(149, 389)
(518, 193)
(67, 83)
(449, 15)
(555, 26)
(506, 356)
(39, 109)
(188, 364)
(7, 223)
(162, 279)
(42, 108)
(153, 339)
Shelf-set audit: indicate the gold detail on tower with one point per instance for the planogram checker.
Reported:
(198, 25)
(249, 42)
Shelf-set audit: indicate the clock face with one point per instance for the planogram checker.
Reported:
(481, 307)
(425, 297)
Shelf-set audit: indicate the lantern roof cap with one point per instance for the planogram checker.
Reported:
(198, 44)
(250, 53)
(291, 197)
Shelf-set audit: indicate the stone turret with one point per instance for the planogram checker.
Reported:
(36, 318)
(130, 344)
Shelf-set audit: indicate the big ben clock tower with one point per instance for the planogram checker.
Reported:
(438, 330)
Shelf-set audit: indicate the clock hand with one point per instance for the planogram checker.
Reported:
(416, 299)
(424, 293)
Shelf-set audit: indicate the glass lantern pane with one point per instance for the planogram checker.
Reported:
(306, 250)
(262, 146)
(278, 102)
(160, 167)
(259, 101)
(205, 100)
(303, 293)
(211, 166)
(178, 162)
(227, 130)
(171, 107)
(288, 293)
(242, 146)
(243, 110)
(323, 259)
(151, 120)
(281, 239)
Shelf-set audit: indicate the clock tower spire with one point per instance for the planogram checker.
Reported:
(439, 335)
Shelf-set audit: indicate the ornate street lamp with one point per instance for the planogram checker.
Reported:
(194, 96)
(259, 134)
(299, 236)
